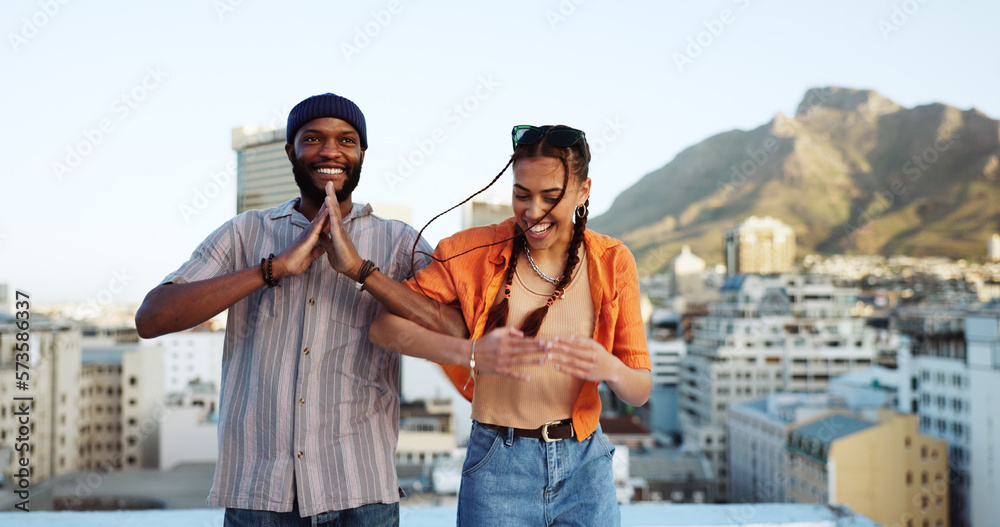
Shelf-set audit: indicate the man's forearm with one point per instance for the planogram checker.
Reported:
(176, 307)
(402, 301)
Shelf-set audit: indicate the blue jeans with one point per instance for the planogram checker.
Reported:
(371, 515)
(524, 482)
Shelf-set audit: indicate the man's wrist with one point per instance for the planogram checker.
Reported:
(354, 273)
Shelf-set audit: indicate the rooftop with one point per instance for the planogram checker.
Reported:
(768, 514)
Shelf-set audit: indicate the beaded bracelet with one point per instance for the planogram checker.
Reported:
(268, 275)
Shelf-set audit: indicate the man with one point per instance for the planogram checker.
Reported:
(309, 410)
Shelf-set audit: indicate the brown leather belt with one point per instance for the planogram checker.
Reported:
(549, 432)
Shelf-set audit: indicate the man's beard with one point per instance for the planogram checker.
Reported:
(318, 195)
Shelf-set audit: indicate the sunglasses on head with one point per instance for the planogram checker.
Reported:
(526, 134)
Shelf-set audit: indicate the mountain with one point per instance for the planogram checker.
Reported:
(852, 172)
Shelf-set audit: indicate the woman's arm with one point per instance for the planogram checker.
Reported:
(586, 359)
(496, 353)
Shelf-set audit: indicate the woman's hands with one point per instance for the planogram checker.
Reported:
(585, 359)
(501, 350)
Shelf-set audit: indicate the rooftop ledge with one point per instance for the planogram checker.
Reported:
(641, 515)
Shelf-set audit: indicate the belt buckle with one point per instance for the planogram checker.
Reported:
(545, 432)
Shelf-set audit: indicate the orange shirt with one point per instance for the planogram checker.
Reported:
(471, 282)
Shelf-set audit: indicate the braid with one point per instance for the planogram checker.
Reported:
(533, 322)
(497, 316)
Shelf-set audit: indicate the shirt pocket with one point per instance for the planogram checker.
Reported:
(352, 307)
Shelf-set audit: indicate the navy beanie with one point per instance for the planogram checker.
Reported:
(326, 105)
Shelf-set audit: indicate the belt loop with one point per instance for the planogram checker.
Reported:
(509, 440)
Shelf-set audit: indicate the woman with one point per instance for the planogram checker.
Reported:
(553, 310)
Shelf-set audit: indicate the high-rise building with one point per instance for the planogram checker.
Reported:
(886, 470)
(760, 246)
(993, 248)
(263, 174)
(767, 334)
(982, 337)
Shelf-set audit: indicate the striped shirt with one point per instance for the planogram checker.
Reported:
(305, 395)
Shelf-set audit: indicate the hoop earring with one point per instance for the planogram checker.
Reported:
(582, 211)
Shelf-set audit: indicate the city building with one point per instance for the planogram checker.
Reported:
(886, 470)
(932, 357)
(758, 433)
(760, 246)
(993, 248)
(100, 439)
(686, 272)
(426, 432)
(982, 338)
(481, 211)
(759, 430)
(790, 333)
(143, 406)
(51, 376)
(190, 435)
(666, 348)
(191, 356)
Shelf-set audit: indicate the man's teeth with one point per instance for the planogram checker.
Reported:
(538, 229)
(330, 171)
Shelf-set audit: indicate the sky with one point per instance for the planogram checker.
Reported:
(118, 116)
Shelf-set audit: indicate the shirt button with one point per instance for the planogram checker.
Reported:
(301, 455)
(312, 301)
(302, 401)
(306, 351)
